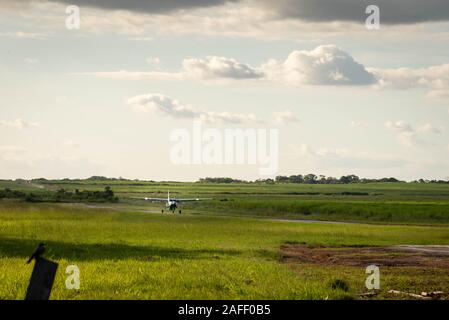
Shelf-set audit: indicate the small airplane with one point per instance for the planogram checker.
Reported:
(171, 203)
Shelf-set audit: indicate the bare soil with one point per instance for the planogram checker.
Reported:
(395, 256)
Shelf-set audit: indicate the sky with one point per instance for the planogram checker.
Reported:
(106, 98)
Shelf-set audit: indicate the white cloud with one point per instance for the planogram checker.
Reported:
(409, 139)
(247, 18)
(18, 124)
(405, 133)
(229, 20)
(285, 117)
(155, 102)
(399, 126)
(210, 68)
(408, 136)
(167, 106)
(324, 65)
(213, 67)
(430, 128)
(433, 78)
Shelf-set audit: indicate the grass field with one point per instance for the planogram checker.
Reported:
(399, 203)
(221, 249)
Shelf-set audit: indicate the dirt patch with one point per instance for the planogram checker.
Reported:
(395, 256)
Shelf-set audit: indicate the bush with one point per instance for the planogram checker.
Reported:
(62, 195)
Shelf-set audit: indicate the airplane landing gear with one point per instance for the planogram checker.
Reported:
(179, 211)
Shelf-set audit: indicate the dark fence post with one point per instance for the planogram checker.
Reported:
(42, 279)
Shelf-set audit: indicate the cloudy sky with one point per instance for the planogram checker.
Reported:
(103, 100)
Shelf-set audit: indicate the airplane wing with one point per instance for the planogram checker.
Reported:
(191, 200)
(152, 199)
(173, 199)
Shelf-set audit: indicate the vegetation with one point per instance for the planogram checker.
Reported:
(225, 248)
(141, 255)
(387, 202)
(61, 195)
(333, 210)
(299, 179)
(220, 180)
(318, 179)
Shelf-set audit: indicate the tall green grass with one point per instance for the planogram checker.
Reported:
(338, 210)
(136, 255)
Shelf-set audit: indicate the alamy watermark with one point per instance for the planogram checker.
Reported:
(73, 279)
(73, 20)
(373, 280)
(372, 22)
(235, 146)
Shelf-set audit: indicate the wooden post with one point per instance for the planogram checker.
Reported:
(42, 279)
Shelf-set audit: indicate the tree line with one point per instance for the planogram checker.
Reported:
(322, 179)
(61, 195)
(316, 179)
(305, 179)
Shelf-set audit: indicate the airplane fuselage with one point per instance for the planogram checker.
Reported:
(171, 205)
